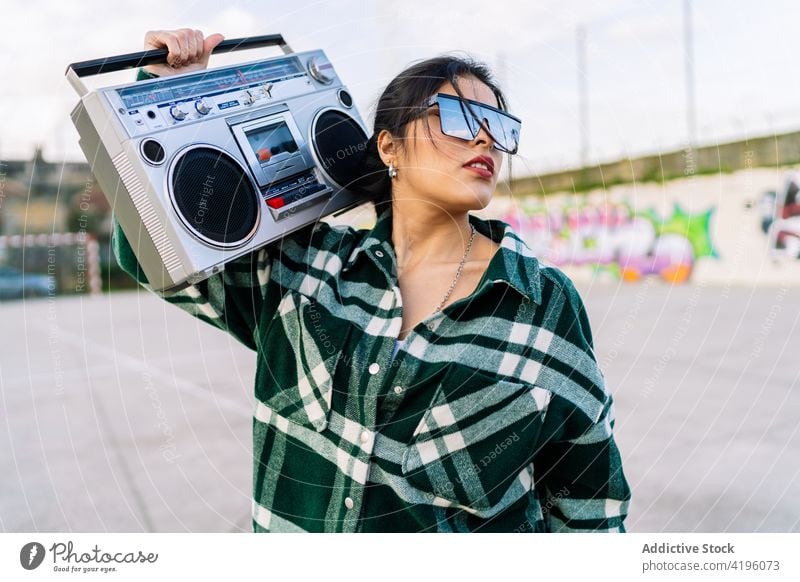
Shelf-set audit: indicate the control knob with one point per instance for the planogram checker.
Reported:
(319, 70)
(248, 98)
(177, 113)
(202, 106)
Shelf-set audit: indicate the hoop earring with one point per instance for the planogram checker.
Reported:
(392, 170)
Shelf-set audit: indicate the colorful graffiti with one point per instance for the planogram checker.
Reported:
(616, 238)
(780, 218)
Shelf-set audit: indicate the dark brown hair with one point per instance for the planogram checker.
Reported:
(403, 101)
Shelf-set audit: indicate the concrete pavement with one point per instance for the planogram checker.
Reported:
(121, 413)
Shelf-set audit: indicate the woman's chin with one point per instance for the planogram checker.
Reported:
(480, 198)
(463, 198)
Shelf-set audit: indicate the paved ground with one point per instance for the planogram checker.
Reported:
(120, 413)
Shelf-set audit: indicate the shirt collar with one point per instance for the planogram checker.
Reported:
(514, 263)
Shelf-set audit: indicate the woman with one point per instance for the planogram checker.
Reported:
(427, 374)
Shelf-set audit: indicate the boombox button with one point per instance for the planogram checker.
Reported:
(276, 202)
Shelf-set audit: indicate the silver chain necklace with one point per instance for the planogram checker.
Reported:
(460, 267)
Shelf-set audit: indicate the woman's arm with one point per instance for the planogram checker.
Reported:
(232, 299)
(579, 467)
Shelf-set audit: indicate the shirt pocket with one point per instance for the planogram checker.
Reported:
(300, 350)
(473, 445)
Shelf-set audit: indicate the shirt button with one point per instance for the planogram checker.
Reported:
(374, 368)
(378, 253)
(348, 503)
(364, 436)
(398, 389)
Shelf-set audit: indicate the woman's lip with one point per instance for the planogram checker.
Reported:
(480, 171)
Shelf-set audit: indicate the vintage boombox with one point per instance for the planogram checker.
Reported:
(203, 167)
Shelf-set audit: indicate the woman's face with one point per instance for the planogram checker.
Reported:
(435, 166)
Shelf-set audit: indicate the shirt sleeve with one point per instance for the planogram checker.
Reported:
(231, 300)
(578, 467)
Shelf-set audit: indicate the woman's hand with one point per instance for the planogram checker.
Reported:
(188, 50)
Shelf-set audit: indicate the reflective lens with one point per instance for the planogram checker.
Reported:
(454, 121)
(462, 119)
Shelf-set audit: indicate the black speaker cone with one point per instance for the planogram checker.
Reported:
(339, 143)
(214, 196)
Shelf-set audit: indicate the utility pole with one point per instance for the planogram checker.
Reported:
(583, 95)
(688, 41)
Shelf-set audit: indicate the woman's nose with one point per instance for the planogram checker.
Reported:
(483, 136)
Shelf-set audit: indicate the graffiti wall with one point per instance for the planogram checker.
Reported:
(616, 237)
(780, 218)
(702, 229)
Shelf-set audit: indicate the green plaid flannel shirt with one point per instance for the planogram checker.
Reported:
(493, 416)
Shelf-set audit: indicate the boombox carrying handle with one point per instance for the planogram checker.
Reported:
(158, 56)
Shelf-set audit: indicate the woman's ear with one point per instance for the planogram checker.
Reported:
(387, 147)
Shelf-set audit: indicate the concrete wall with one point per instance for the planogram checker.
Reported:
(734, 251)
(770, 152)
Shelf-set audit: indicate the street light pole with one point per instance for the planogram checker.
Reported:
(691, 119)
(583, 95)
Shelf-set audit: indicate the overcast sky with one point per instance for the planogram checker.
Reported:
(745, 62)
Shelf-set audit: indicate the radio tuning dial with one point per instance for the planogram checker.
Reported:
(316, 69)
(177, 112)
(202, 106)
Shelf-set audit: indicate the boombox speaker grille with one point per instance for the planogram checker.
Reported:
(339, 143)
(214, 196)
